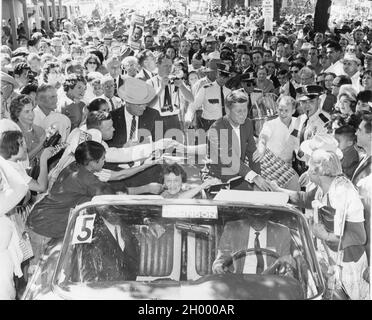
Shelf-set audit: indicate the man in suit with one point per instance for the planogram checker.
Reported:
(136, 124)
(134, 117)
(115, 246)
(252, 232)
(231, 143)
(114, 68)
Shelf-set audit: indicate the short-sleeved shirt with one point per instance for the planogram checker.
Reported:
(74, 185)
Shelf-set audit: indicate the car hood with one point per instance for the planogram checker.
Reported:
(211, 287)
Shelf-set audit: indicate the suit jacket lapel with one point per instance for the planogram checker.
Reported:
(363, 164)
(243, 142)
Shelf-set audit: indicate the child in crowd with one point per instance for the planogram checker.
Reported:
(174, 177)
(346, 137)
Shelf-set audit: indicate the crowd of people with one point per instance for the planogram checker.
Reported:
(91, 108)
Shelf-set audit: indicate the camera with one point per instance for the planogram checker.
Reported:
(167, 108)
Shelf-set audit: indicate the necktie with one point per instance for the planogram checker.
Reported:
(116, 87)
(120, 241)
(260, 259)
(167, 99)
(132, 128)
(222, 102)
(302, 136)
(112, 104)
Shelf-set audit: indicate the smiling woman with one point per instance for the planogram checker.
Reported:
(72, 106)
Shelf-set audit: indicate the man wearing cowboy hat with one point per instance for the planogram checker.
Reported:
(211, 99)
(134, 114)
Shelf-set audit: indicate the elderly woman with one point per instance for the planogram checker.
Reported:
(22, 113)
(339, 210)
(130, 66)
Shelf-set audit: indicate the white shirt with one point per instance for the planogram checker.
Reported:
(279, 139)
(250, 263)
(251, 174)
(155, 82)
(337, 68)
(208, 98)
(116, 233)
(21, 170)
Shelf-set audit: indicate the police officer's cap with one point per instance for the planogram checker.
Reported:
(309, 92)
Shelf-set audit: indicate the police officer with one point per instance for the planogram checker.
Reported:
(310, 123)
(211, 99)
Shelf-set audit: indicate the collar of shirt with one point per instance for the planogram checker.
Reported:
(116, 233)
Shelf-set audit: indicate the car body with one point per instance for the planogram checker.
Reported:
(177, 242)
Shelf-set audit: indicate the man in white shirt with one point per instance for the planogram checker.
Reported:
(253, 232)
(45, 114)
(167, 100)
(108, 86)
(334, 53)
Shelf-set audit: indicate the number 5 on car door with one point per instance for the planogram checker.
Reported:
(83, 229)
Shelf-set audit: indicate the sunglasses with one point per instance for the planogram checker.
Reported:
(92, 62)
(294, 71)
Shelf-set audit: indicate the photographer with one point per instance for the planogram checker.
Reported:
(168, 90)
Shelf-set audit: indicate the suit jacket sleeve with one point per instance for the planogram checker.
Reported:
(251, 148)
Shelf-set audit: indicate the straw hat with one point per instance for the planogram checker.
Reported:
(136, 91)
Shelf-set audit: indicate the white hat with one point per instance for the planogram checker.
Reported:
(321, 141)
(351, 57)
(8, 125)
(136, 91)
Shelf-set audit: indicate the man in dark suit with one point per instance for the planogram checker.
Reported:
(252, 232)
(231, 144)
(115, 246)
(134, 124)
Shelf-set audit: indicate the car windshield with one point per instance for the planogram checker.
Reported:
(175, 245)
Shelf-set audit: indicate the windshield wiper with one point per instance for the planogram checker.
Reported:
(189, 227)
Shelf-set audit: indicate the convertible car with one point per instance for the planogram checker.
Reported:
(147, 247)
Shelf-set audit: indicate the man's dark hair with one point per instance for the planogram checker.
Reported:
(257, 51)
(89, 151)
(31, 87)
(365, 96)
(334, 45)
(174, 168)
(241, 46)
(72, 80)
(95, 119)
(20, 67)
(347, 131)
(96, 104)
(9, 144)
(343, 79)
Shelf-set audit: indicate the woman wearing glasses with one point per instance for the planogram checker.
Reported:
(91, 63)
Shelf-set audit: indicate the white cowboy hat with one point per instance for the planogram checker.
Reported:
(325, 142)
(136, 91)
